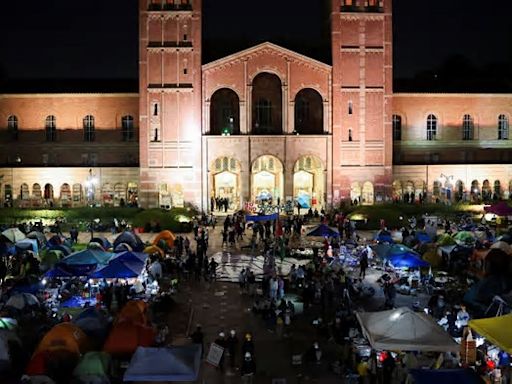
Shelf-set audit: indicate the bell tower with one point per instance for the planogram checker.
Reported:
(361, 38)
(170, 102)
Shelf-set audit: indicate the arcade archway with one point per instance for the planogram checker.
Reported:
(224, 113)
(225, 184)
(267, 180)
(309, 182)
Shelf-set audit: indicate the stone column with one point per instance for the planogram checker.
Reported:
(242, 105)
(284, 107)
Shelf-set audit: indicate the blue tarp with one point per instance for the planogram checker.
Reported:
(407, 260)
(118, 269)
(165, 364)
(78, 302)
(323, 230)
(102, 241)
(384, 237)
(445, 376)
(58, 272)
(399, 249)
(87, 256)
(274, 216)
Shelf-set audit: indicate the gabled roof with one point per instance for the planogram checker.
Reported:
(267, 46)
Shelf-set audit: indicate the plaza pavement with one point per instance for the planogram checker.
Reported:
(220, 306)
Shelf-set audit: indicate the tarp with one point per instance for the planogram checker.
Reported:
(402, 329)
(165, 364)
(64, 336)
(445, 376)
(499, 209)
(87, 256)
(323, 230)
(118, 269)
(497, 330)
(408, 260)
(13, 235)
(131, 239)
(58, 272)
(400, 250)
(255, 218)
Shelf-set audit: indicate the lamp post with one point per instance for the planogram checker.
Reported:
(90, 185)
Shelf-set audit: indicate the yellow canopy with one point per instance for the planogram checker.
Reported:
(497, 330)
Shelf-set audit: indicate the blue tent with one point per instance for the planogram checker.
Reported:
(118, 269)
(102, 241)
(58, 272)
(27, 245)
(131, 239)
(87, 256)
(93, 323)
(408, 260)
(399, 249)
(60, 247)
(384, 237)
(304, 201)
(165, 364)
(255, 218)
(323, 230)
(445, 376)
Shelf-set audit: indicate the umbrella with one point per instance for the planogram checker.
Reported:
(13, 235)
(39, 236)
(407, 260)
(22, 300)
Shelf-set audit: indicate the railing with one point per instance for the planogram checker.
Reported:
(170, 44)
(169, 7)
(358, 8)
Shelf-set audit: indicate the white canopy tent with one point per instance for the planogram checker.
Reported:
(402, 329)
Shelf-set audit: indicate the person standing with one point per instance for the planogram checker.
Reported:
(248, 369)
(232, 347)
(363, 264)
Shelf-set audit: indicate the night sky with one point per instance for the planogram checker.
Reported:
(98, 38)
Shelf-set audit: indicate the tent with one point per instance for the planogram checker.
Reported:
(165, 364)
(21, 301)
(64, 336)
(384, 237)
(323, 230)
(131, 257)
(402, 329)
(118, 269)
(50, 258)
(399, 250)
(445, 240)
(6, 337)
(27, 245)
(167, 236)
(465, 238)
(423, 237)
(56, 240)
(122, 247)
(125, 337)
(152, 249)
(93, 364)
(134, 312)
(445, 376)
(93, 322)
(131, 239)
(102, 241)
(66, 251)
(499, 209)
(39, 236)
(497, 330)
(58, 272)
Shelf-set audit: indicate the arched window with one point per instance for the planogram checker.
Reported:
(502, 127)
(267, 107)
(89, 128)
(467, 127)
(51, 128)
(431, 127)
(224, 113)
(397, 127)
(309, 112)
(12, 126)
(127, 128)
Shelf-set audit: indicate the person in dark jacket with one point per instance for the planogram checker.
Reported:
(248, 369)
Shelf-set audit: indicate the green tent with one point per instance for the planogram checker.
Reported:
(445, 239)
(8, 323)
(50, 258)
(93, 363)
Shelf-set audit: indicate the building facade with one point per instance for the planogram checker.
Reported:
(262, 124)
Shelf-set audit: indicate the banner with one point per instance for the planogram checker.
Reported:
(255, 218)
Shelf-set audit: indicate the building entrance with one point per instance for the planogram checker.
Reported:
(267, 180)
(309, 182)
(225, 184)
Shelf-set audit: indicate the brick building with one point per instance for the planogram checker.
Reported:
(262, 123)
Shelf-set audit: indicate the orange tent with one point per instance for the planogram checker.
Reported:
(64, 336)
(167, 236)
(152, 249)
(125, 337)
(134, 312)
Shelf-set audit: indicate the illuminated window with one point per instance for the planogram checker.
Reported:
(397, 127)
(12, 126)
(51, 128)
(502, 127)
(89, 129)
(127, 128)
(431, 127)
(467, 128)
